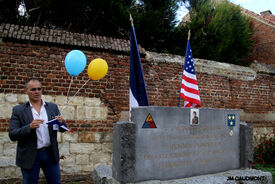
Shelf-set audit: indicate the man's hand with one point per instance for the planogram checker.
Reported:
(36, 123)
(59, 118)
(62, 157)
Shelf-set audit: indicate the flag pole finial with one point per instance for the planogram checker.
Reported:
(189, 34)
(131, 20)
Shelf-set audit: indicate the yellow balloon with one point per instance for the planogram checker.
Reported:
(97, 69)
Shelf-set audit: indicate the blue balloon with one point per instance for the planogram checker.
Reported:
(75, 62)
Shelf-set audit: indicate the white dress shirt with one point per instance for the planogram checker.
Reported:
(43, 137)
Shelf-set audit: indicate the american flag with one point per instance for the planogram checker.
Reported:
(189, 86)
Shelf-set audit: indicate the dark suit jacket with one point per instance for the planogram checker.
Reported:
(26, 138)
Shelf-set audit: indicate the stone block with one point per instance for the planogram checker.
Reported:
(244, 176)
(69, 137)
(6, 110)
(82, 159)
(124, 116)
(91, 113)
(82, 148)
(71, 169)
(68, 112)
(10, 172)
(6, 161)
(18, 172)
(4, 137)
(68, 160)
(271, 115)
(254, 117)
(107, 137)
(59, 138)
(103, 174)
(2, 98)
(1, 150)
(11, 98)
(176, 145)
(224, 69)
(61, 100)
(86, 113)
(87, 137)
(87, 167)
(2, 172)
(64, 148)
(81, 113)
(174, 148)
(207, 66)
(102, 158)
(102, 113)
(22, 98)
(246, 144)
(124, 147)
(48, 98)
(77, 100)
(9, 149)
(107, 147)
(261, 67)
(92, 102)
(97, 136)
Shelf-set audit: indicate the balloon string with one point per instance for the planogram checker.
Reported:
(69, 87)
(73, 96)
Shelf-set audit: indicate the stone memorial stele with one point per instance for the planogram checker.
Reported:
(161, 143)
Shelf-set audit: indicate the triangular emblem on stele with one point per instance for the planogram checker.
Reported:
(149, 122)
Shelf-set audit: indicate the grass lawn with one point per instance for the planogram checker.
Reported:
(269, 168)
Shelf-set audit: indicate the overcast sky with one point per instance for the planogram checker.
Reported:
(256, 6)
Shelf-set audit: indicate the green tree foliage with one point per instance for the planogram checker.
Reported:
(102, 17)
(154, 19)
(155, 23)
(9, 11)
(219, 32)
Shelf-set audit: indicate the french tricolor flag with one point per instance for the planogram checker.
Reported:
(138, 93)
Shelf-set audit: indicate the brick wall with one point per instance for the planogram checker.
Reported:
(263, 33)
(21, 61)
(264, 47)
(102, 103)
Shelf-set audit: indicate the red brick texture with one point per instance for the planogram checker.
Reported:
(264, 46)
(263, 33)
(20, 60)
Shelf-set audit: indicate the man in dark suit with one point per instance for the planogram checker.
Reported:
(37, 145)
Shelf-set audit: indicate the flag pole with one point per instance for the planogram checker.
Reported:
(137, 91)
(132, 24)
(188, 38)
(131, 20)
